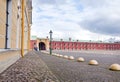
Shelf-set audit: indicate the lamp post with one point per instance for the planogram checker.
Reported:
(40, 45)
(50, 41)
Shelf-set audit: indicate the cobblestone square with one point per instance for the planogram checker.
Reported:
(40, 67)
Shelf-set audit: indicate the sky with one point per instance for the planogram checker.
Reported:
(77, 19)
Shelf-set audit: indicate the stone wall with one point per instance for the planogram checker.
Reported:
(2, 23)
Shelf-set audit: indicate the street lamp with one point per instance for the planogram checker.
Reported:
(50, 41)
(40, 45)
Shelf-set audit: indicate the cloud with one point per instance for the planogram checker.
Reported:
(50, 2)
(102, 25)
(103, 18)
(78, 19)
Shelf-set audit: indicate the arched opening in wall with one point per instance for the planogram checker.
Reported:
(42, 46)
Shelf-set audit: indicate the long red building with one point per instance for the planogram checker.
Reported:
(70, 45)
(66, 45)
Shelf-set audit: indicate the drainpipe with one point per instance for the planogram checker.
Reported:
(22, 36)
(6, 37)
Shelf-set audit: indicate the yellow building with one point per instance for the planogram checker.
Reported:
(10, 23)
(15, 23)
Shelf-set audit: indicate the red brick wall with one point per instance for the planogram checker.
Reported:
(63, 45)
(32, 43)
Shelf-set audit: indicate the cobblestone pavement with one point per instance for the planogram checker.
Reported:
(28, 69)
(72, 71)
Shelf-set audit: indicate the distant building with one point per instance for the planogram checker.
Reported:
(66, 45)
(10, 23)
(43, 44)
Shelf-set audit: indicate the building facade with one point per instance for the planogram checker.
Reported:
(66, 45)
(10, 23)
(41, 43)
(74, 45)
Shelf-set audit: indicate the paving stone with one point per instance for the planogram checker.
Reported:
(28, 69)
(39, 67)
(72, 71)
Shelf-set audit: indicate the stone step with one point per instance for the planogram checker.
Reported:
(7, 58)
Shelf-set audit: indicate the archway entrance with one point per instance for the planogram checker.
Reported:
(42, 46)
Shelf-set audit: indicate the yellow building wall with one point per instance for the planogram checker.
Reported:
(14, 23)
(26, 28)
(2, 23)
(14, 26)
(19, 37)
(26, 23)
(26, 35)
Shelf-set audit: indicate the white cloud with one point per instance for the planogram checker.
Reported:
(78, 19)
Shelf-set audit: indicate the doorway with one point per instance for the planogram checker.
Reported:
(42, 46)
